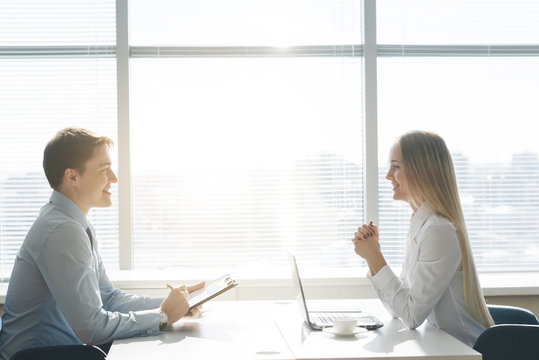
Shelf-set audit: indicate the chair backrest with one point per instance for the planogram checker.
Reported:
(514, 336)
(503, 314)
(63, 352)
(502, 342)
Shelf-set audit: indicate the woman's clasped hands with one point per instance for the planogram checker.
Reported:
(367, 246)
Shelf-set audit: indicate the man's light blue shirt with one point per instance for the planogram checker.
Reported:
(59, 292)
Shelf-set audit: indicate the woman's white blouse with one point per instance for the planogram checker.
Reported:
(430, 285)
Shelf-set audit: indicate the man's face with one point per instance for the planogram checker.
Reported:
(94, 183)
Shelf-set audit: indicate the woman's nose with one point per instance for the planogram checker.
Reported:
(113, 177)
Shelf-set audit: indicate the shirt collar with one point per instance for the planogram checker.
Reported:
(69, 207)
(419, 218)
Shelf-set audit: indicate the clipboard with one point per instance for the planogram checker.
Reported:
(211, 290)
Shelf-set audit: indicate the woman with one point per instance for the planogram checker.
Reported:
(438, 281)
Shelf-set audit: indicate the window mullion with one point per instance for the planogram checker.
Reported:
(124, 141)
(370, 106)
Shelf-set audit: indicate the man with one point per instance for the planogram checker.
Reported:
(59, 292)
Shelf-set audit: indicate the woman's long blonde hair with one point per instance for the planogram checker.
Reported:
(431, 177)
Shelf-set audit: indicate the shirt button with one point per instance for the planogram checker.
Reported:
(149, 332)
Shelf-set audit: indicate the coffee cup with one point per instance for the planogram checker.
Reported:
(344, 325)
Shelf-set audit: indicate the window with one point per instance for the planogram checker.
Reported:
(57, 69)
(467, 70)
(247, 134)
(245, 130)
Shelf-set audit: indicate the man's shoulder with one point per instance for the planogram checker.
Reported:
(53, 216)
(51, 221)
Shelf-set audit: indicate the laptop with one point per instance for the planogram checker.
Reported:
(320, 318)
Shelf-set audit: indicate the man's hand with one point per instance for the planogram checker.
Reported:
(195, 287)
(194, 312)
(176, 305)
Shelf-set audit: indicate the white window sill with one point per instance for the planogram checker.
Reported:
(280, 287)
(504, 284)
(508, 284)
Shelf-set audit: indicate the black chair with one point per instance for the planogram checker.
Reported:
(62, 352)
(504, 314)
(515, 335)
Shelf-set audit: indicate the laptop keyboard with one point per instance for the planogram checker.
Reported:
(326, 319)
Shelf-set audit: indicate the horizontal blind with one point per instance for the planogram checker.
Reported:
(238, 158)
(244, 23)
(57, 22)
(501, 205)
(457, 22)
(43, 93)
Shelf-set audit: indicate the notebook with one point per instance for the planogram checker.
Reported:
(320, 318)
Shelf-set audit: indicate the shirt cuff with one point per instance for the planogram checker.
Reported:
(150, 320)
(382, 278)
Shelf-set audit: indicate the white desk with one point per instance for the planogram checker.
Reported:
(225, 330)
(274, 330)
(392, 341)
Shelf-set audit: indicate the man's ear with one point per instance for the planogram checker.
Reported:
(71, 176)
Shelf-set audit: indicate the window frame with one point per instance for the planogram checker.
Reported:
(370, 51)
(125, 52)
(493, 284)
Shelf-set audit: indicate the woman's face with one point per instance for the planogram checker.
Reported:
(396, 174)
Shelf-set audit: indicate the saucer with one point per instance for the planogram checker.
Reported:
(357, 330)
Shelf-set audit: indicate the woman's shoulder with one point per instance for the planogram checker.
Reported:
(438, 229)
(429, 218)
(439, 221)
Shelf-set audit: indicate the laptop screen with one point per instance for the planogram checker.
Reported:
(364, 320)
(298, 288)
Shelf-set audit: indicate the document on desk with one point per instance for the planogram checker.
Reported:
(211, 290)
